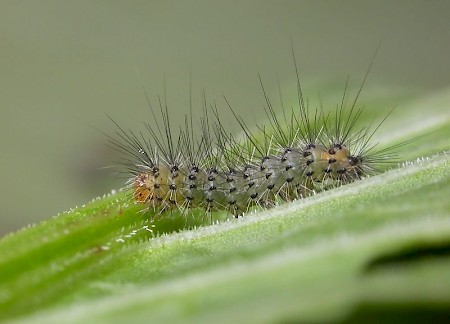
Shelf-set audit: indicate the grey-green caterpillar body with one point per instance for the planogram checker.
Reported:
(290, 157)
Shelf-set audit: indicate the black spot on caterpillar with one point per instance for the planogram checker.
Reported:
(291, 156)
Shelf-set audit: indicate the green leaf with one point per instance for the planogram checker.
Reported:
(377, 247)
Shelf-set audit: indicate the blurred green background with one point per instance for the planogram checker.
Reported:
(64, 64)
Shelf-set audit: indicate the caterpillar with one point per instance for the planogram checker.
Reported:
(289, 156)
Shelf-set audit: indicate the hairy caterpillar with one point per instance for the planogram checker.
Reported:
(289, 157)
